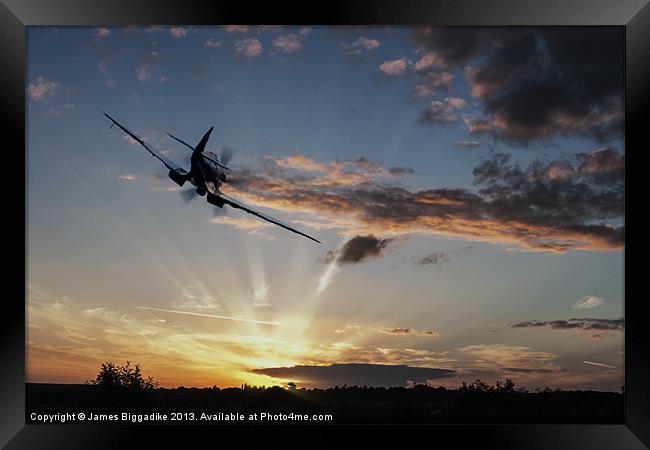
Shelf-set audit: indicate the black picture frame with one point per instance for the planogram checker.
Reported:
(16, 15)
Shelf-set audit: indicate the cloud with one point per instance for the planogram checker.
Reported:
(248, 47)
(467, 144)
(537, 83)
(143, 72)
(236, 28)
(597, 336)
(408, 332)
(430, 82)
(443, 112)
(341, 352)
(526, 370)
(43, 89)
(289, 43)
(305, 31)
(360, 46)
(394, 67)
(127, 177)
(366, 43)
(178, 32)
(354, 374)
(574, 324)
(261, 295)
(276, 29)
(421, 90)
(454, 46)
(440, 258)
(359, 249)
(103, 67)
(436, 258)
(340, 172)
(212, 43)
(197, 297)
(428, 61)
(58, 112)
(147, 66)
(67, 343)
(354, 251)
(498, 357)
(109, 54)
(588, 302)
(571, 195)
(400, 171)
(349, 329)
(529, 208)
(102, 33)
(604, 166)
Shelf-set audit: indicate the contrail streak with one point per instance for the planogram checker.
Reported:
(211, 316)
(327, 277)
(599, 364)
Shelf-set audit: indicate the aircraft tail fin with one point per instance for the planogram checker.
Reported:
(204, 140)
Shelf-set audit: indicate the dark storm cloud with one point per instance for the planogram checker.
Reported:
(570, 194)
(457, 45)
(537, 83)
(356, 374)
(548, 206)
(361, 248)
(581, 324)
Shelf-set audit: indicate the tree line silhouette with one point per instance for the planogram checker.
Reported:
(112, 376)
(119, 388)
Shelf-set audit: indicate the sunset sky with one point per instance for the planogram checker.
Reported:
(467, 185)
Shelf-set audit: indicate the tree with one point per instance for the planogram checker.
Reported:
(112, 376)
(476, 386)
(507, 386)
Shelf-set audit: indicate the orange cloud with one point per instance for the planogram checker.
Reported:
(361, 192)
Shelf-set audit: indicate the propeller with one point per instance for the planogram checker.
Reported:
(226, 155)
(220, 212)
(188, 195)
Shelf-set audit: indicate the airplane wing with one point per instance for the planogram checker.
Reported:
(239, 205)
(169, 164)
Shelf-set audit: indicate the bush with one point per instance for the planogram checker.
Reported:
(115, 377)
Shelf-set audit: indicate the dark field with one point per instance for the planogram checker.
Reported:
(421, 404)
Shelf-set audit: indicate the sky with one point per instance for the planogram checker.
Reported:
(467, 185)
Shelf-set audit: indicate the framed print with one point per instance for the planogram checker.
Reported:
(370, 213)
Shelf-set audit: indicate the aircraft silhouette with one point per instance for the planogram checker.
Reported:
(206, 174)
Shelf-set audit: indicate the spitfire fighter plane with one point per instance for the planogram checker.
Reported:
(206, 174)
